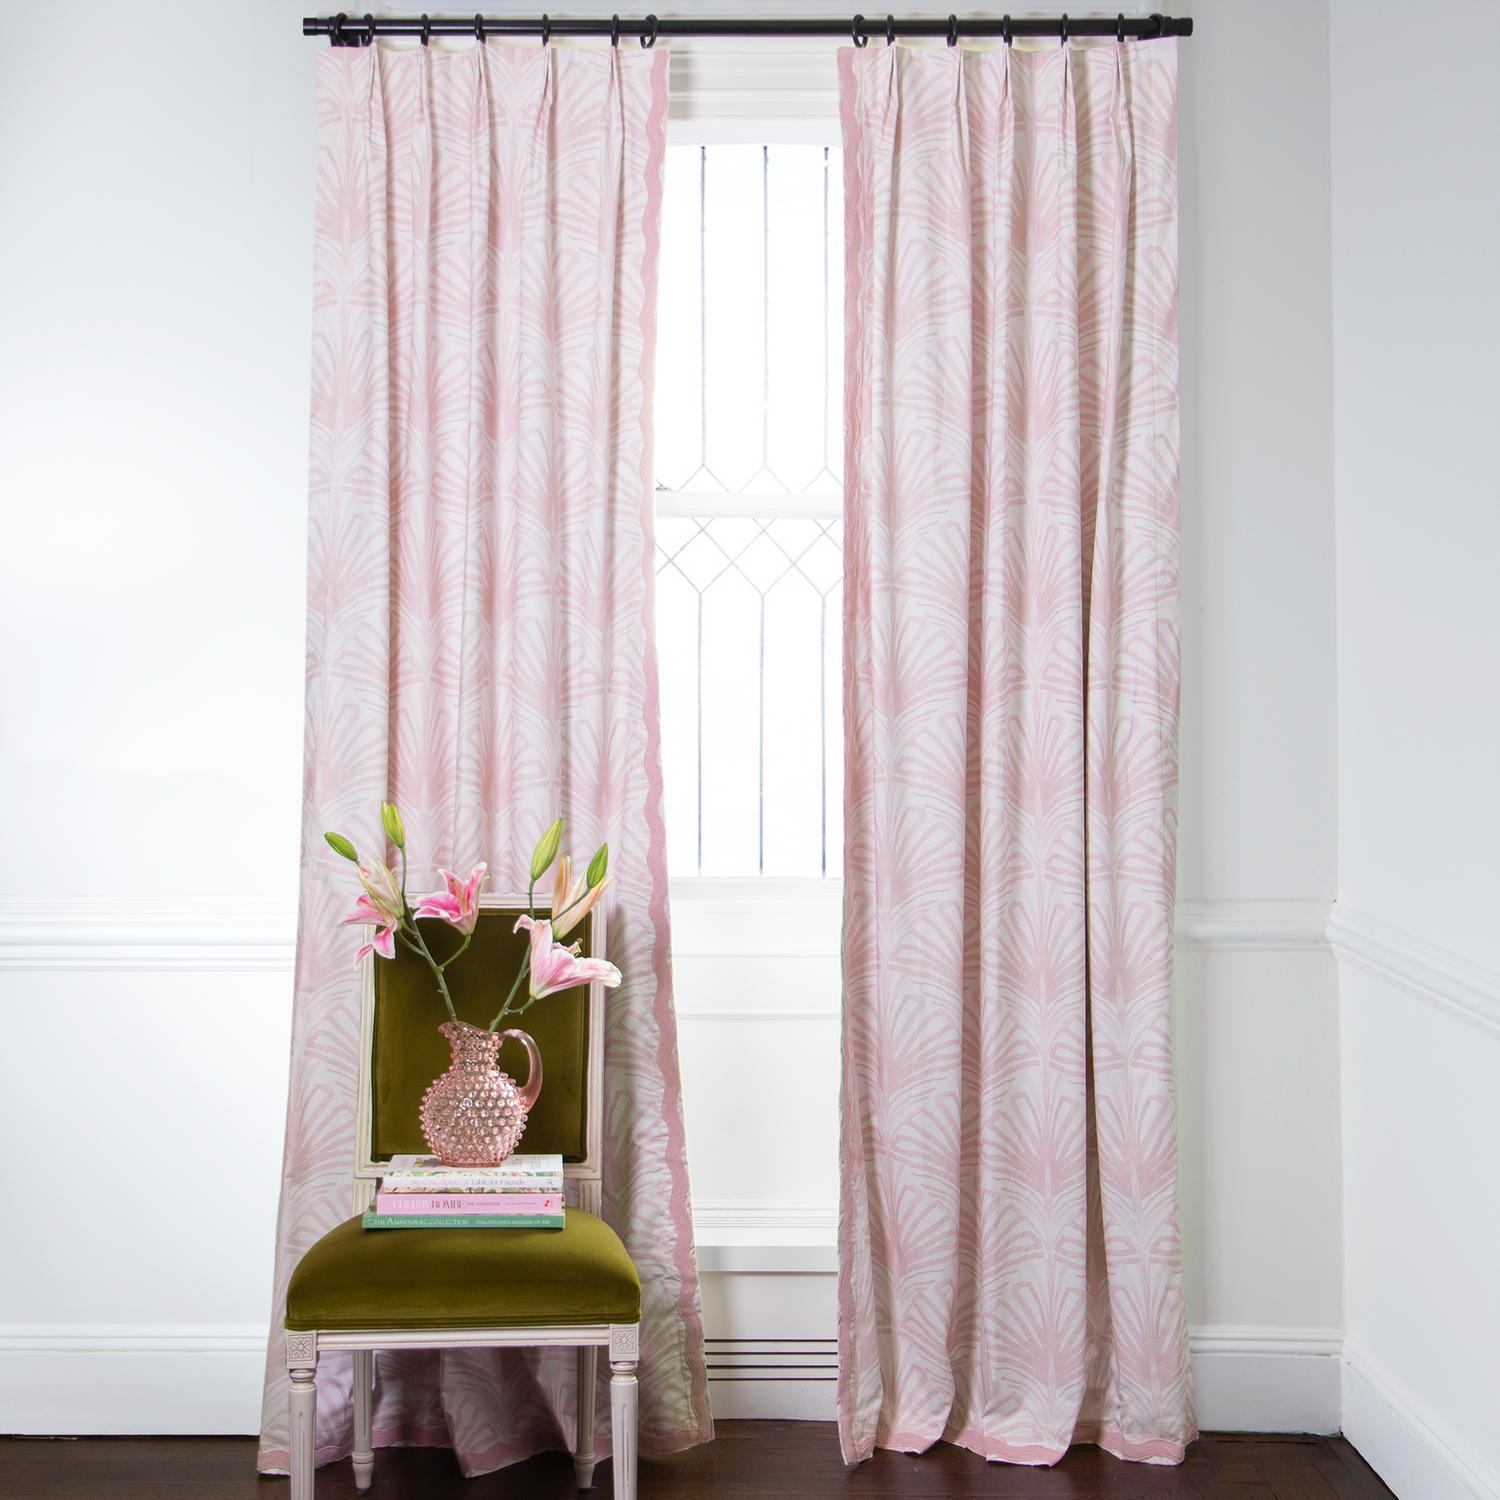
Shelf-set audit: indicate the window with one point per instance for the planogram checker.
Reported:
(749, 569)
(749, 463)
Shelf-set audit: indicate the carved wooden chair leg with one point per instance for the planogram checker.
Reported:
(583, 1454)
(624, 1354)
(364, 1419)
(302, 1366)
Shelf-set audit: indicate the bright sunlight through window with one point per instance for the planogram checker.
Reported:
(749, 508)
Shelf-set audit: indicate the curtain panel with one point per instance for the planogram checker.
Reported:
(481, 643)
(1010, 1265)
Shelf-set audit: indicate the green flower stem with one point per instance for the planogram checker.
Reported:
(468, 938)
(505, 1009)
(421, 947)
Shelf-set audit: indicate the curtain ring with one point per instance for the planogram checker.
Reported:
(1065, 29)
(479, 28)
(369, 40)
(546, 29)
(1120, 27)
(1161, 25)
(338, 29)
(859, 41)
(890, 31)
(1005, 29)
(953, 31)
(650, 41)
(614, 31)
(426, 28)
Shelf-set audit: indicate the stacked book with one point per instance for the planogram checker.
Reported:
(419, 1192)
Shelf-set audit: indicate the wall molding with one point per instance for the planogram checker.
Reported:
(1464, 990)
(1467, 991)
(1254, 926)
(250, 1338)
(133, 1338)
(160, 934)
(1407, 1443)
(791, 919)
(753, 1013)
(766, 1214)
(718, 919)
(1260, 1338)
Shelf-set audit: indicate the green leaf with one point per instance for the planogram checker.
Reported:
(598, 865)
(545, 851)
(340, 845)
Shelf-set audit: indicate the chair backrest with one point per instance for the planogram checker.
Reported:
(402, 1050)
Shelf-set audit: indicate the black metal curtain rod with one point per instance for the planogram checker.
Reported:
(344, 30)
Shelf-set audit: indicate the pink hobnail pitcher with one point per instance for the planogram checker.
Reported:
(474, 1114)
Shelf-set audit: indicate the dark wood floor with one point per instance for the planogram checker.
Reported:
(749, 1460)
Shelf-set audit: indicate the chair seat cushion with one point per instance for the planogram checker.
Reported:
(465, 1278)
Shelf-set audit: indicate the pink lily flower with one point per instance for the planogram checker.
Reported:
(570, 900)
(382, 887)
(368, 914)
(459, 904)
(555, 968)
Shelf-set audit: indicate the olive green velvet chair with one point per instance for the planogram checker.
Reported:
(366, 1290)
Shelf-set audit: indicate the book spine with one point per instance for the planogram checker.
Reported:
(468, 1203)
(459, 1182)
(465, 1221)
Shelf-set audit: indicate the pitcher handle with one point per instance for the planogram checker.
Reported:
(534, 1077)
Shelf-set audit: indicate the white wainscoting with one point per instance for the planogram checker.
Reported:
(1256, 998)
(758, 991)
(1421, 1140)
(758, 1001)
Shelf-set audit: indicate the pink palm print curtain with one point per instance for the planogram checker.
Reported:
(1011, 1272)
(480, 638)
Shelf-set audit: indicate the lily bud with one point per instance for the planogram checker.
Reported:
(598, 865)
(545, 851)
(340, 845)
(395, 829)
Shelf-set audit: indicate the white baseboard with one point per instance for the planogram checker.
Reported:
(1254, 1378)
(195, 1380)
(1408, 1444)
(206, 1379)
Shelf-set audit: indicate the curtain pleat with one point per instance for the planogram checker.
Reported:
(481, 642)
(1010, 1265)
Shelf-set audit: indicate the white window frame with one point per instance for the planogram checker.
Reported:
(744, 92)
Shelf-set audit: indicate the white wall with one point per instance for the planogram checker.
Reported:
(1257, 1022)
(155, 259)
(155, 185)
(1416, 195)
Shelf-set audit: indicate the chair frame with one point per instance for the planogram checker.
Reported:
(621, 1339)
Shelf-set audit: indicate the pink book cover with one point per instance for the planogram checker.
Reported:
(470, 1203)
